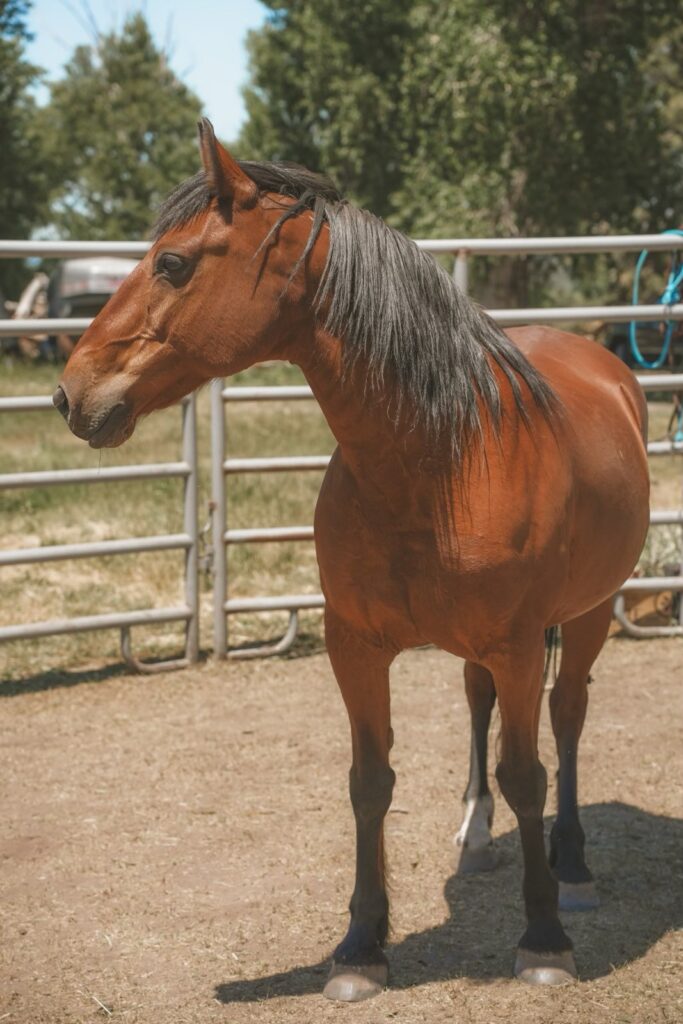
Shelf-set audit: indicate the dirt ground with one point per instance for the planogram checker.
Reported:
(179, 849)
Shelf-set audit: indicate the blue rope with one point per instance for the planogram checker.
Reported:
(669, 297)
(678, 436)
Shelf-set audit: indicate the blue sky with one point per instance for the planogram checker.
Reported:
(205, 39)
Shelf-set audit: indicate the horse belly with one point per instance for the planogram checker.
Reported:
(603, 433)
(404, 589)
(611, 520)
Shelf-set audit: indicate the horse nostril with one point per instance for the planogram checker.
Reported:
(61, 402)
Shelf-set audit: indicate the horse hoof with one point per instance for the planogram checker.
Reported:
(545, 968)
(475, 860)
(578, 896)
(350, 984)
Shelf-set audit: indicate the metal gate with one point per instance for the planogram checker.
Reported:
(222, 467)
(223, 537)
(185, 469)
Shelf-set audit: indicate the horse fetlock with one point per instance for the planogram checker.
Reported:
(545, 935)
(370, 913)
(545, 968)
(569, 832)
(566, 857)
(361, 945)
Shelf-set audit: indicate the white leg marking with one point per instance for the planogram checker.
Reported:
(475, 831)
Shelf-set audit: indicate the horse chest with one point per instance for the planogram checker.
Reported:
(369, 575)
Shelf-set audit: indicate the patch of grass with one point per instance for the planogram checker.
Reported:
(74, 513)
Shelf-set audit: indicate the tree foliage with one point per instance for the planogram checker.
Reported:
(477, 116)
(119, 133)
(22, 174)
(325, 91)
(531, 118)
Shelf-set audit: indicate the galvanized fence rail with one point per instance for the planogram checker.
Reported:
(187, 541)
(222, 467)
(223, 537)
(293, 603)
(184, 469)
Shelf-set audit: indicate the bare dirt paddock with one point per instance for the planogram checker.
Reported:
(179, 849)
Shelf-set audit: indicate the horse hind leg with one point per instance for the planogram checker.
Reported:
(544, 953)
(582, 640)
(474, 837)
(360, 967)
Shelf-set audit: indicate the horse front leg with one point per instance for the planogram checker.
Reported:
(360, 968)
(544, 953)
(474, 838)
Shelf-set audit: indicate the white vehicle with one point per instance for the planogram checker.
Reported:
(76, 288)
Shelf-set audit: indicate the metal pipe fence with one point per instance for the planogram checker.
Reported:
(223, 537)
(505, 317)
(222, 467)
(188, 541)
(570, 244)
(293, 603)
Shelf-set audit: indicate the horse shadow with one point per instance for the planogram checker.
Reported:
(636, 859)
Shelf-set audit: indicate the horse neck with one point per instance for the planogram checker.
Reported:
(380, 451)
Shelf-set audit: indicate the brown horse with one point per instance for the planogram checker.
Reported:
(486, 486)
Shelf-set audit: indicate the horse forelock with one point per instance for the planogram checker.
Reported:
(393, 307)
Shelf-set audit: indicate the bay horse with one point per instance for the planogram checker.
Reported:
(486, 487)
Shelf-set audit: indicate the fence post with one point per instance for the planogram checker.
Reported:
(218, 521)
(460, 270)
(191, 525)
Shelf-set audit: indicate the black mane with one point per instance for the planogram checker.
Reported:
(192, 197)
(394, 307)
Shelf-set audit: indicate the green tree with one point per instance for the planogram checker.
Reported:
(663, 70)
(474, 116)
(540, 121)
(22, 174)
(119, 133)
(325, 90)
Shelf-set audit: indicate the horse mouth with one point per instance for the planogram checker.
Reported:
(114, 430)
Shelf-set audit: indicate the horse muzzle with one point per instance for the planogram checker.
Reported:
(101, 425)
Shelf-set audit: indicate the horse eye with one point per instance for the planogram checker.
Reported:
(169, 263)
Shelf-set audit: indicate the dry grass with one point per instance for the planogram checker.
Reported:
(96, 512)
(64, 514)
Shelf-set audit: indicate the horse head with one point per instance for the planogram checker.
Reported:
(212, 296)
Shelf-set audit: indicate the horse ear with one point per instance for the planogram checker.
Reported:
(224, 176)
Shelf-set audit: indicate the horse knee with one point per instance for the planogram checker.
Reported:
(371, 792)
(523, 786)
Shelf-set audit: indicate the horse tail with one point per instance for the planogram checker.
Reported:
(553, 642)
